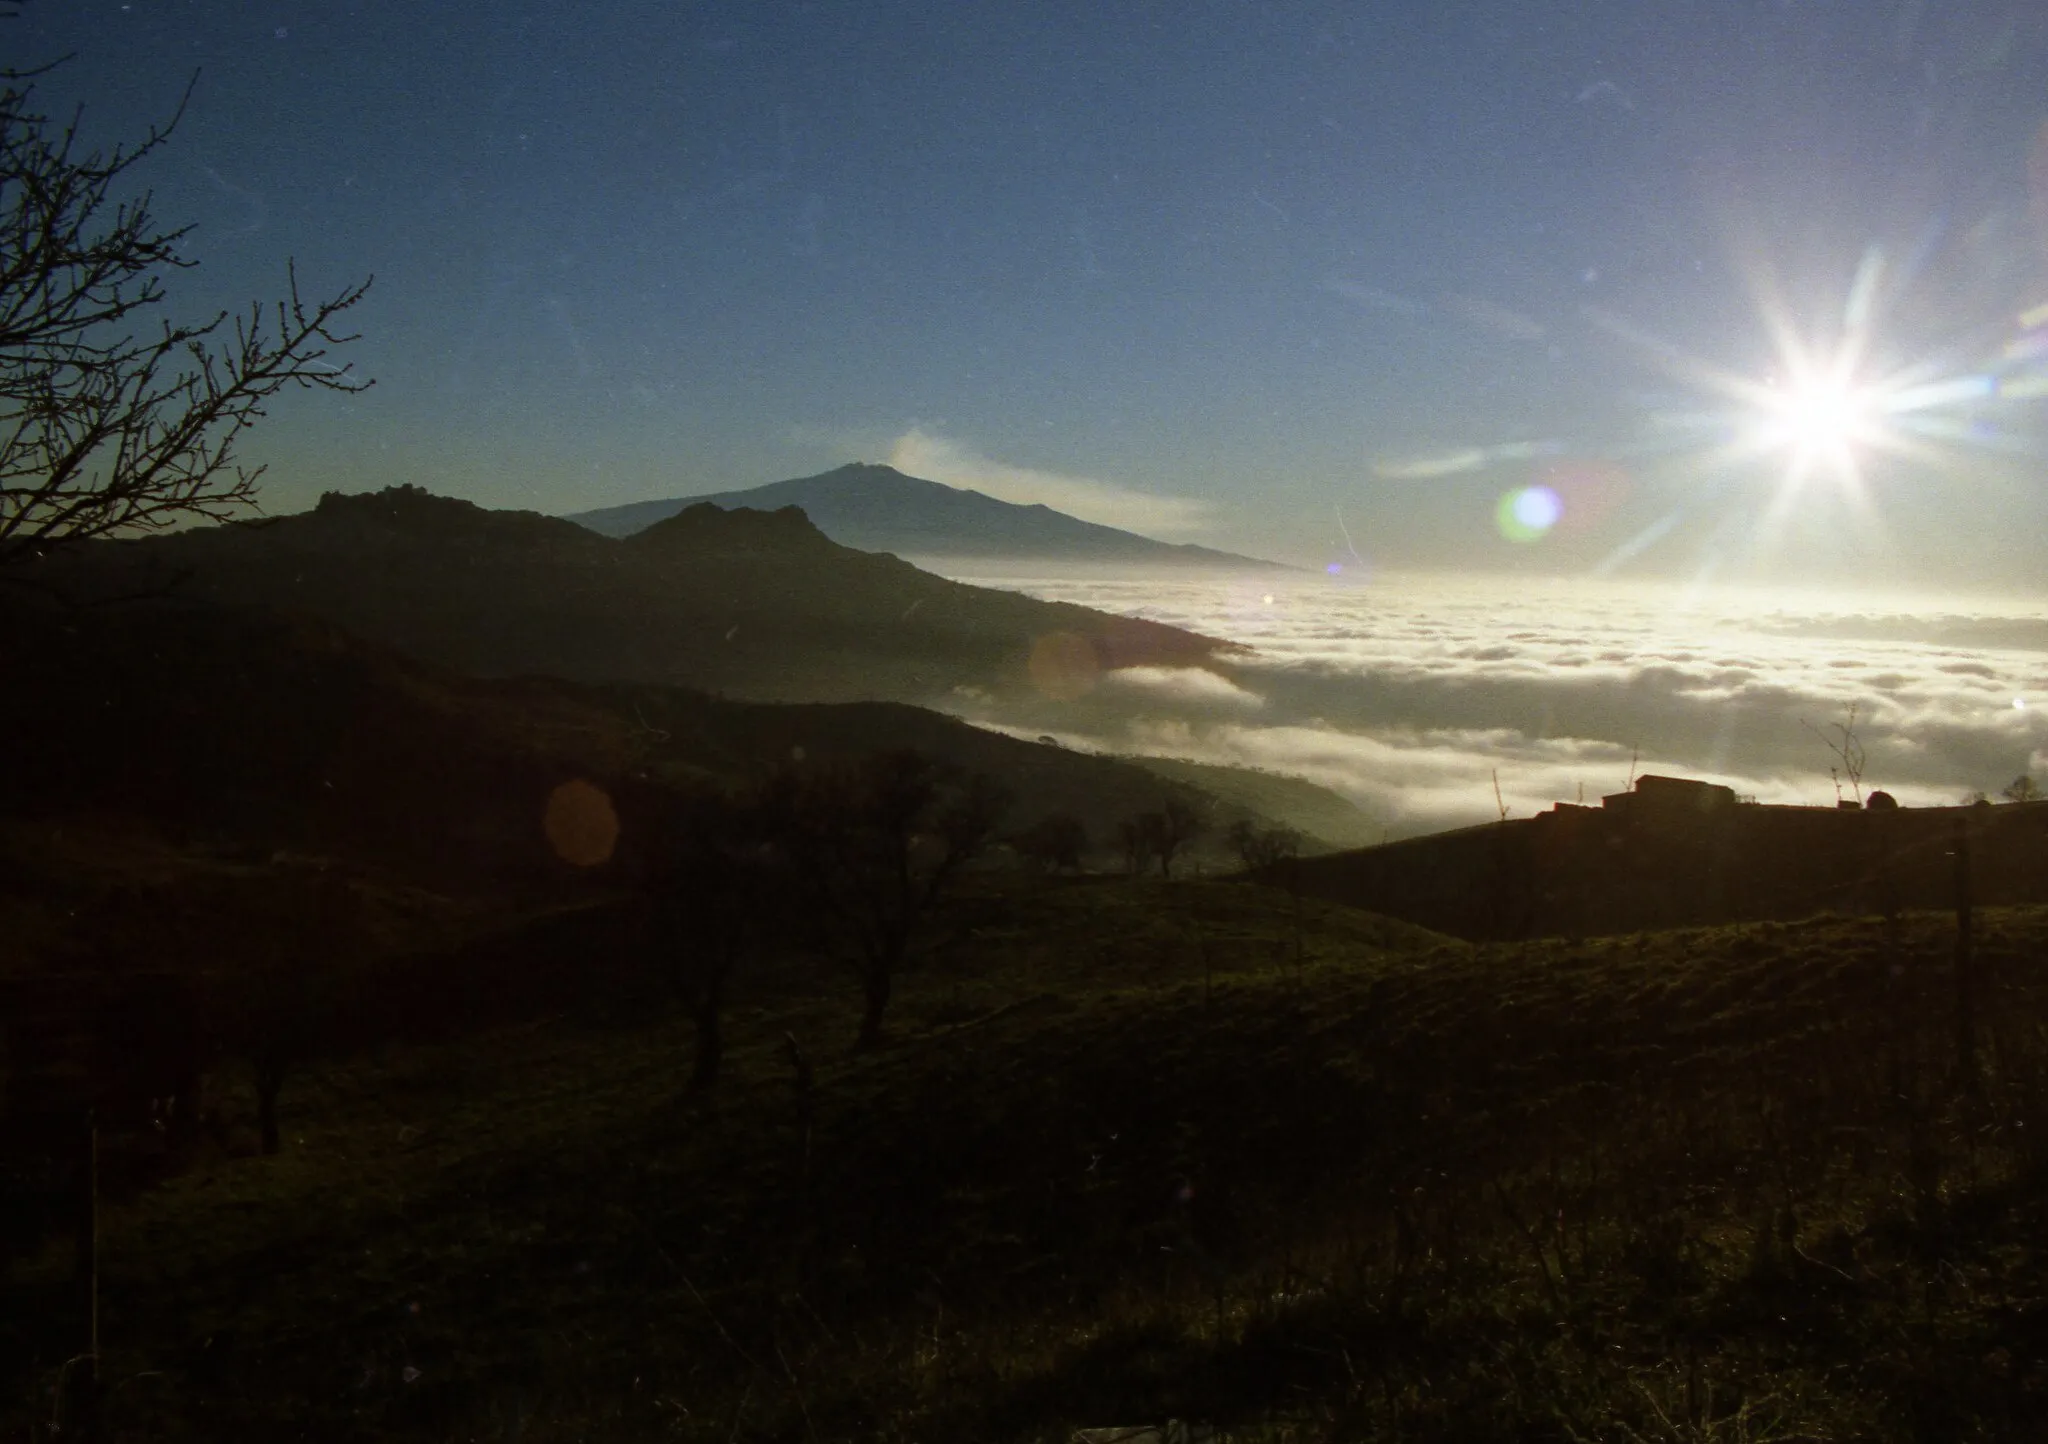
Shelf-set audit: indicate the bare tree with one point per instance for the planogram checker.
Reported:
(105, 431)
(1847, 749)
(709, 880)
(873, 846)
(1262, 848)
(1135, 836)
(1173, 827)
(2022, 788)
(288, 1000)
(1055, 841)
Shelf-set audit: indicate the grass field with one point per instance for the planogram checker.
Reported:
(1139, 1150)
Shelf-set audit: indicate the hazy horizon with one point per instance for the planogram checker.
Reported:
(1407, 692)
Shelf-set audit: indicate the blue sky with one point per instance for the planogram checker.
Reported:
(1326, 282)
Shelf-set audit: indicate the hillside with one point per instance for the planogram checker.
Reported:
(879, 509)
(1148, 1151)
(749, 604)
(1323, 815)
(1658, 858)
(269, 731)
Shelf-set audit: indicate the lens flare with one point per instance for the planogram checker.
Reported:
(580, 823)
(1833, 403)
(1527, 513)
(1589, 490)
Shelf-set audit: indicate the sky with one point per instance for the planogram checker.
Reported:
(1483, 286)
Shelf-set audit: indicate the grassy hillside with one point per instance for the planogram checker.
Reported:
(1140, 1151)
(1333, 820)
(1573, 870)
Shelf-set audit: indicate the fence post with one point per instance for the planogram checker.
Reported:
(1966, 1014)
(81, 1380)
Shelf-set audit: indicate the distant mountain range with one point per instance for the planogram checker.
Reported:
(749, 604)
(879, 509)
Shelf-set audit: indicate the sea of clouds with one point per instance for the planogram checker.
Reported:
(1412, 695)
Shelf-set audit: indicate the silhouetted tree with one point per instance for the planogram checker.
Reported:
(1055, 841)
(710, 880)
(1847, 749)
(2021, 789)
(1173, 827)
(1262, 848)
(104, 431)
(293, 970)
(873, 845)
(1136, 836)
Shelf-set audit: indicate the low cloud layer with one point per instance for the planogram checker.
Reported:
(1413, 695)
(1195, 686)
(936, 458)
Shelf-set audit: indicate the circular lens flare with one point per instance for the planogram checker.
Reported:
(1527, 513)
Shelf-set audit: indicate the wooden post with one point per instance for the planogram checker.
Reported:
(1966, 1003)
(806, 1095)
(82, 1381)
(1887, 879)
(1294, 889)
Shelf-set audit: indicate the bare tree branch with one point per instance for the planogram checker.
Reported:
(104, 431)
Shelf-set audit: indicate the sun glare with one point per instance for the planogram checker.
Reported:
(1833, 402)
(1820, 421)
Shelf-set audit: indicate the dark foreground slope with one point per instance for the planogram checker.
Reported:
(1144, 1151)
(879, 509)
(753, 604)
(248, 735)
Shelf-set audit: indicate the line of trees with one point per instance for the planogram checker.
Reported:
(845, 858)
(1159, 836)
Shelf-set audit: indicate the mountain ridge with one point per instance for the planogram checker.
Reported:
(878, 508)
(757, 605)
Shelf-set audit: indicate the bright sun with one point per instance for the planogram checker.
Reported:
(1833, 402)
(1820, 420)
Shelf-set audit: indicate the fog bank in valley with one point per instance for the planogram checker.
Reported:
(1409, 694)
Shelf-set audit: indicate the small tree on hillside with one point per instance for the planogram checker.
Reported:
(1173, 827)
(710, 881)
(873, 846)
(1260, 849)
(1135, 837)
(1055, 841)
(2021, 789)
(291, 978)
(104, 431)
(1847, 750)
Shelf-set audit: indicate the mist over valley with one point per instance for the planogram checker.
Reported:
(1407, 693)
